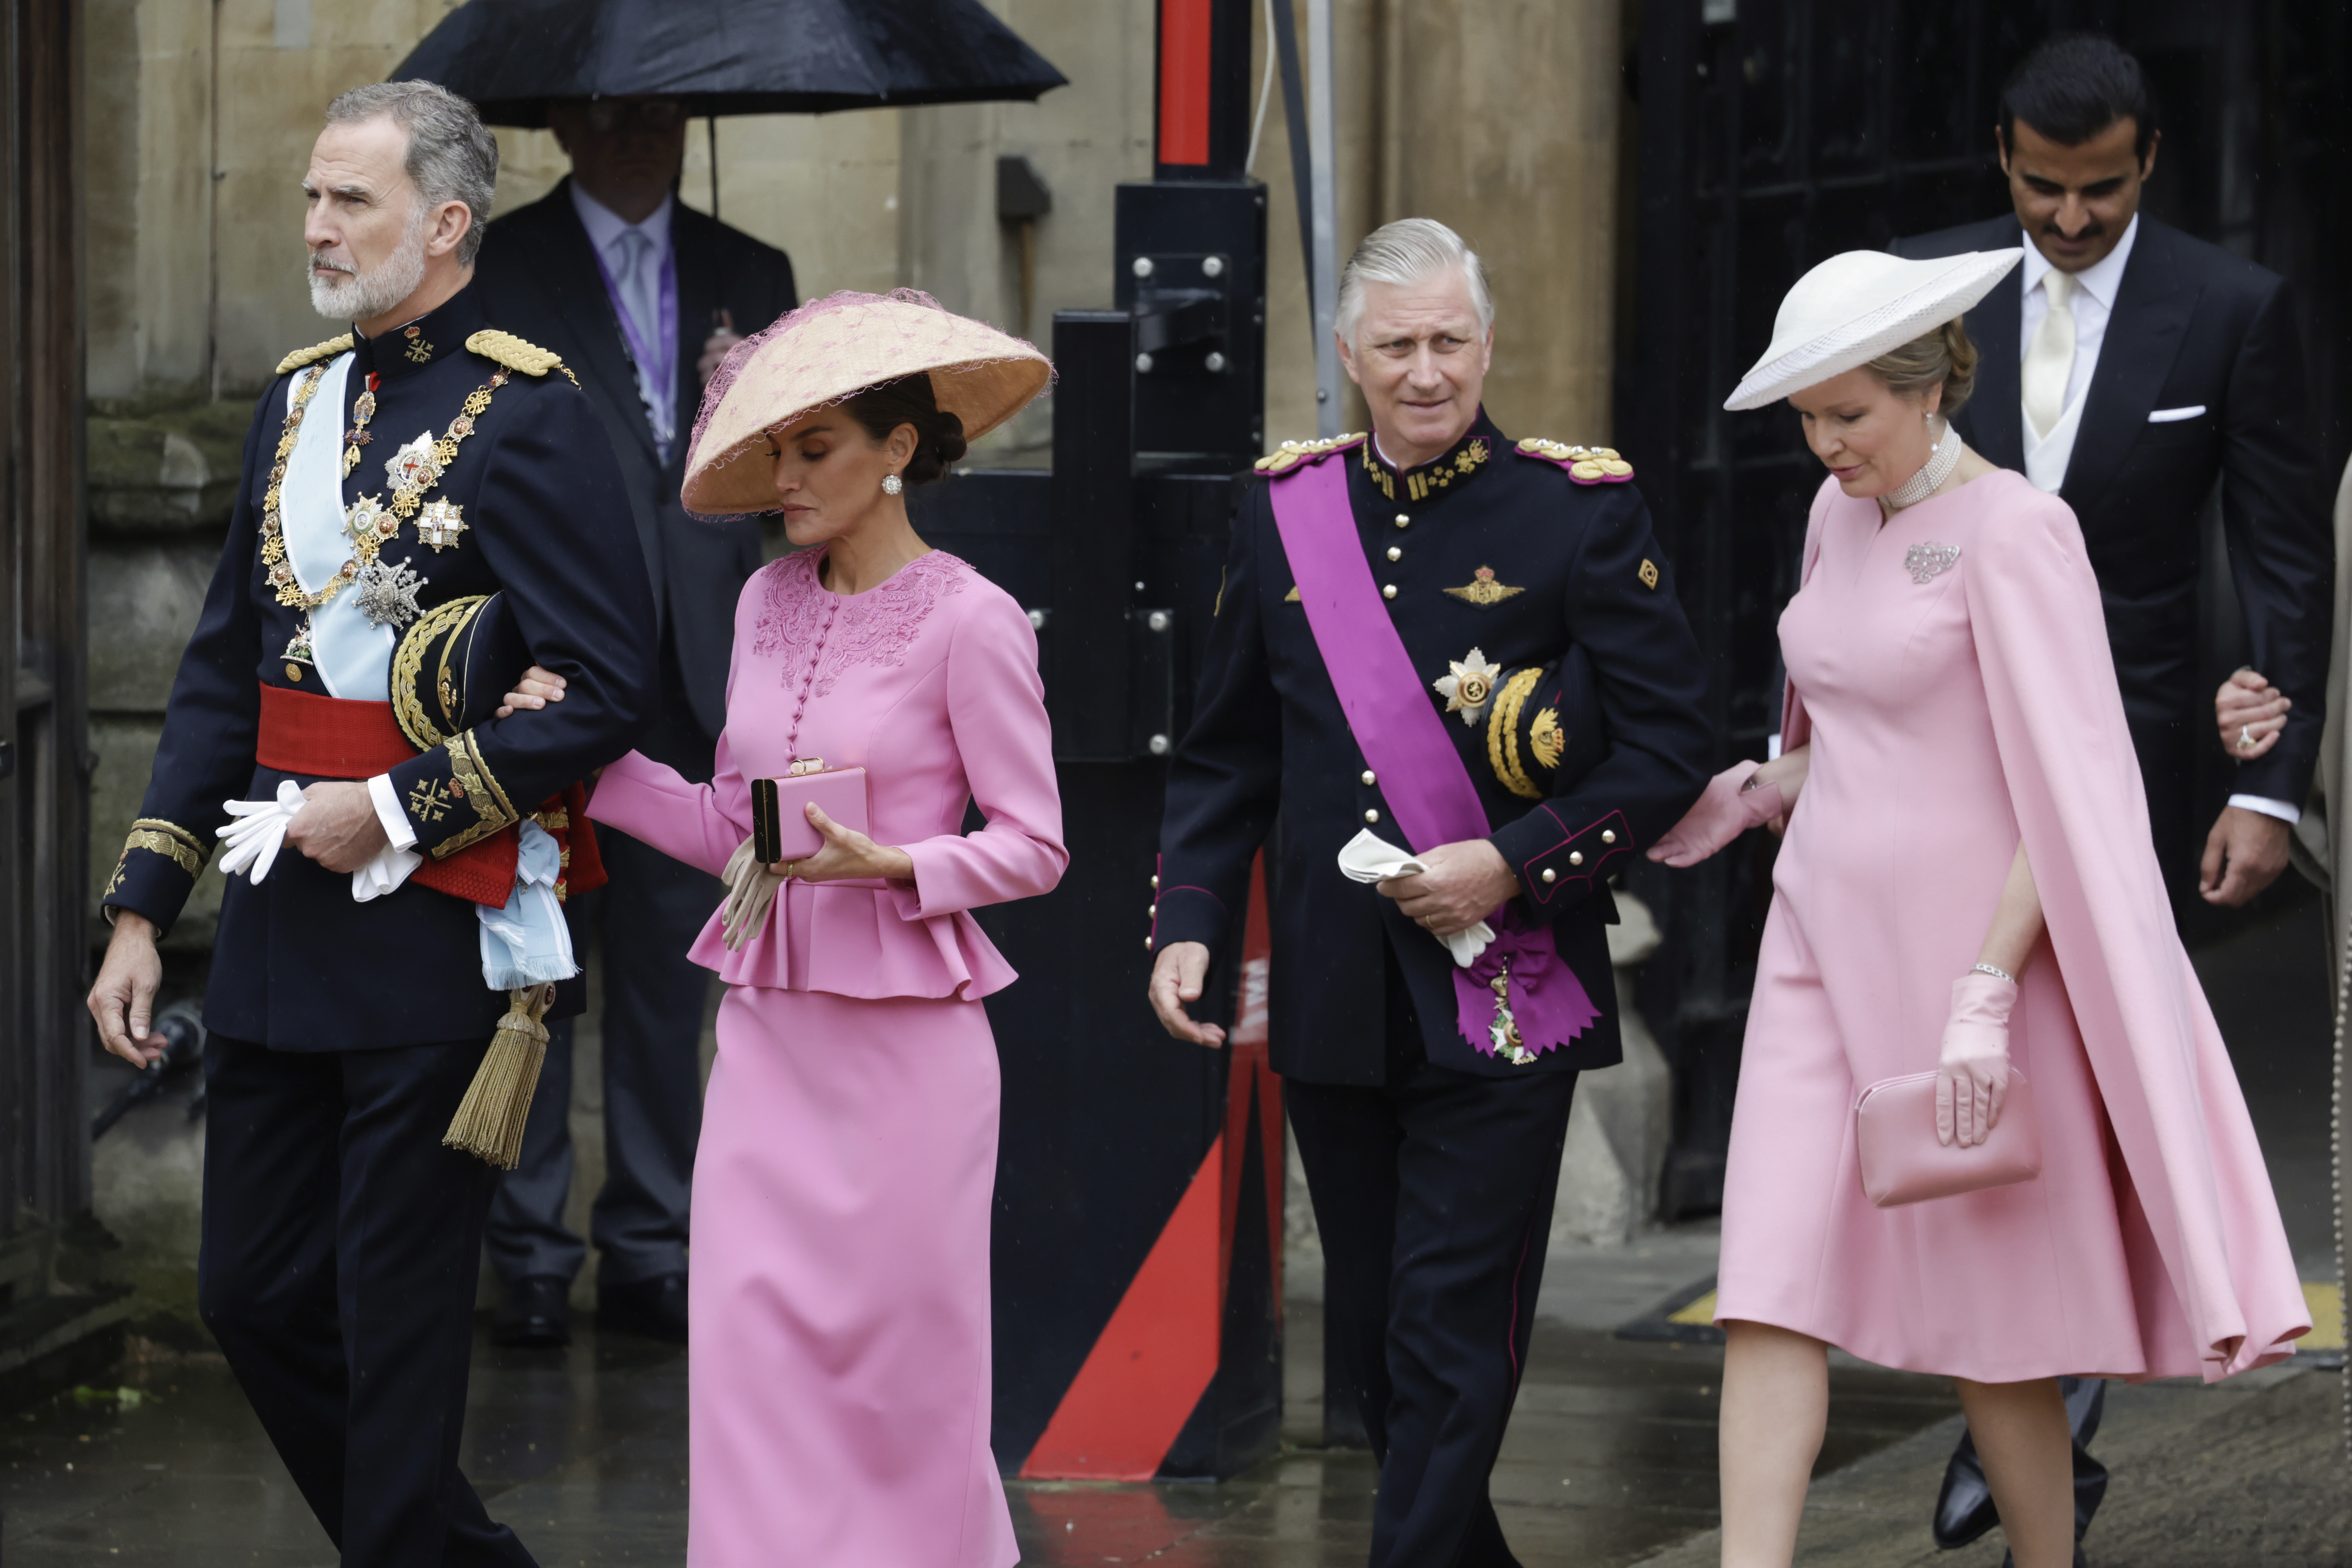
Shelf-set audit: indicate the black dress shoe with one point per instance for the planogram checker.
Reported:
(535, 1312)
(1964, 1507)
(654, 1308)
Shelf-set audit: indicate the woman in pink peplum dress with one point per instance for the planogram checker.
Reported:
(838, 1305)
(1966, 886)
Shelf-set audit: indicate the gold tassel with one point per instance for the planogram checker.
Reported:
(489, 1120)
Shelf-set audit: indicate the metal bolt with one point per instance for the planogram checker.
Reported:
(1143, 364)
(1322, 394)
(1215, 362)
(1157, 620)
(1213, 266)
(1157, 745)
(1143, 267)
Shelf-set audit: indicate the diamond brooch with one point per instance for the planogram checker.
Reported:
(1925, 563)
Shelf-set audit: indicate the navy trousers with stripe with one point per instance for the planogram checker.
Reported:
(1433, 1195)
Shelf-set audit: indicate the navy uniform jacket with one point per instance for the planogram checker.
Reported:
(538, 278)
(298, 964)
(2193, 327)
(1270, 748)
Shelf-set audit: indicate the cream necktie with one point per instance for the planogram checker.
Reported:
(2050, 359)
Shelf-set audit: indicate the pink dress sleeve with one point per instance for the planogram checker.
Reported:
(700, 824)
(996, 707)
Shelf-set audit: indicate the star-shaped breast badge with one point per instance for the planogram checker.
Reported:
(366, 518)
(413, 467)
(386, 593)
(439, 525)
(1469, 686)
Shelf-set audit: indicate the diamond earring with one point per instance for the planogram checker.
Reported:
(892, 484)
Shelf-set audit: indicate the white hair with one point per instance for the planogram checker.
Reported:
(1407, 251)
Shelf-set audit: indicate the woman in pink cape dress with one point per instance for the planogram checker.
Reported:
(1957, 774)
(838, 1303)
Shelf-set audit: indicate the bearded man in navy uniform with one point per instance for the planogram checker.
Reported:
(398, 482)
(1435, 614)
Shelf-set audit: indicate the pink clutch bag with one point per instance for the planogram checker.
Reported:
(1902, 1163)
(780, 826)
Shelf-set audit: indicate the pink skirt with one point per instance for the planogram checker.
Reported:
(839, 1300)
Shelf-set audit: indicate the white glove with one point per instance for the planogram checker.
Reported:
(384, 874)
(751, 888)
(1369, 857)
(253, 839)
(1972, 1079)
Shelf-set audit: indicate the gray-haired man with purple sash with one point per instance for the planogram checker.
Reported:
(1453, 670)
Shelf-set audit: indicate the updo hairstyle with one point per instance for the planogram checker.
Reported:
(909, 400)
(1943, 356)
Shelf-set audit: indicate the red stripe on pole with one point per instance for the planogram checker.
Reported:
(1184, 31)
(1154, 1359)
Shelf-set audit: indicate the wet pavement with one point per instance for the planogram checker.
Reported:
(1611, 1456)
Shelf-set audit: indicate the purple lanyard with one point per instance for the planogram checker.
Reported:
(664, 364)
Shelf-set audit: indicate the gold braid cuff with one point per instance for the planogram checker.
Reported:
(170, 840)
(1503, 734)
(482, 793)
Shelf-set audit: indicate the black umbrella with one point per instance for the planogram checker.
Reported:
(727, 57)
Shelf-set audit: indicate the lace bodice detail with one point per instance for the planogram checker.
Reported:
(818, 636)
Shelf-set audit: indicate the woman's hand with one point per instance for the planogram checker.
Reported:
(2250, 713)
(1736, 799)
(1972, 1076)
(537, 689)
(1785, 772)
(848, 855)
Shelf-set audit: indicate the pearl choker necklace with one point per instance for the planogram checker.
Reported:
(1941, 461)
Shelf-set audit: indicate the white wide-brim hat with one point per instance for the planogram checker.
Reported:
(1858, 305)
(829, 350)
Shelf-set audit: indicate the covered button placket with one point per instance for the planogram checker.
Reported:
(808, 677)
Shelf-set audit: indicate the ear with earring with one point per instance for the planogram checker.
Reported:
(892, 484)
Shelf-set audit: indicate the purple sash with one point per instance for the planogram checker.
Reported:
(1421, 774)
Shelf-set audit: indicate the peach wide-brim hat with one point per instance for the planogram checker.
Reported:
(828, 350)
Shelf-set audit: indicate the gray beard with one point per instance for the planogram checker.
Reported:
(362, 297)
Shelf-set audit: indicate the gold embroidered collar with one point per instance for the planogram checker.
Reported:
(1465, 457)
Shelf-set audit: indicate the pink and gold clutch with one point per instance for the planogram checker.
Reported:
(779, 825)
(1902, 1162)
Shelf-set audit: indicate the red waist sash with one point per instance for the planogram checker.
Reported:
(334, 738)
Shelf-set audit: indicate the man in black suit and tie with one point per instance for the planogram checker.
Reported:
(2128, 370)
(642, 296)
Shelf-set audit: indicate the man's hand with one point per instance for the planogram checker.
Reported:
(123, 998)
(2250, 714)
(714, 347)
(1465, 882)
(1176, 976)
(2243, 854)
(337, 826)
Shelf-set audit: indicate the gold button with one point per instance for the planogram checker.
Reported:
(1551, 876)
(1395, 554)
(294, 673)
(1147, 944)
(1403, 520)
(1576, 856)
(1153, 911)
(1609, 836)
(1370, 815)
(1369, 778)
(1155, 884)
(1388, 592)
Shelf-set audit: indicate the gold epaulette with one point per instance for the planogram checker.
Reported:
(1290, 454)
(314, 354)
(1585, 464)
(513, 352)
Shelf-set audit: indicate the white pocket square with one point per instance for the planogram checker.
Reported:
(2167, 415)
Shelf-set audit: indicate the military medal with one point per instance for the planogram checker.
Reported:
(413, 467)
(365, 518)
(387, 595)
(439, 525)
(359, 434)
(1483, 590)
(1502, 1033)
(1469, 686)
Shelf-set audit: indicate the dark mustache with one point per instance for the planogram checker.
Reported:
(2091, 230)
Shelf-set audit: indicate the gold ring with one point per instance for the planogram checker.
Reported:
(2245, 737)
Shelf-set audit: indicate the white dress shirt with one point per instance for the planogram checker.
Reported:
(2093, 300)
(635, 254)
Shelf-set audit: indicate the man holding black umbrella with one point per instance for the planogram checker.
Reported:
(643, 296)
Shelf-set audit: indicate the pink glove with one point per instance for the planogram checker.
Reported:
(1727, 810)
(1972, 1077)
